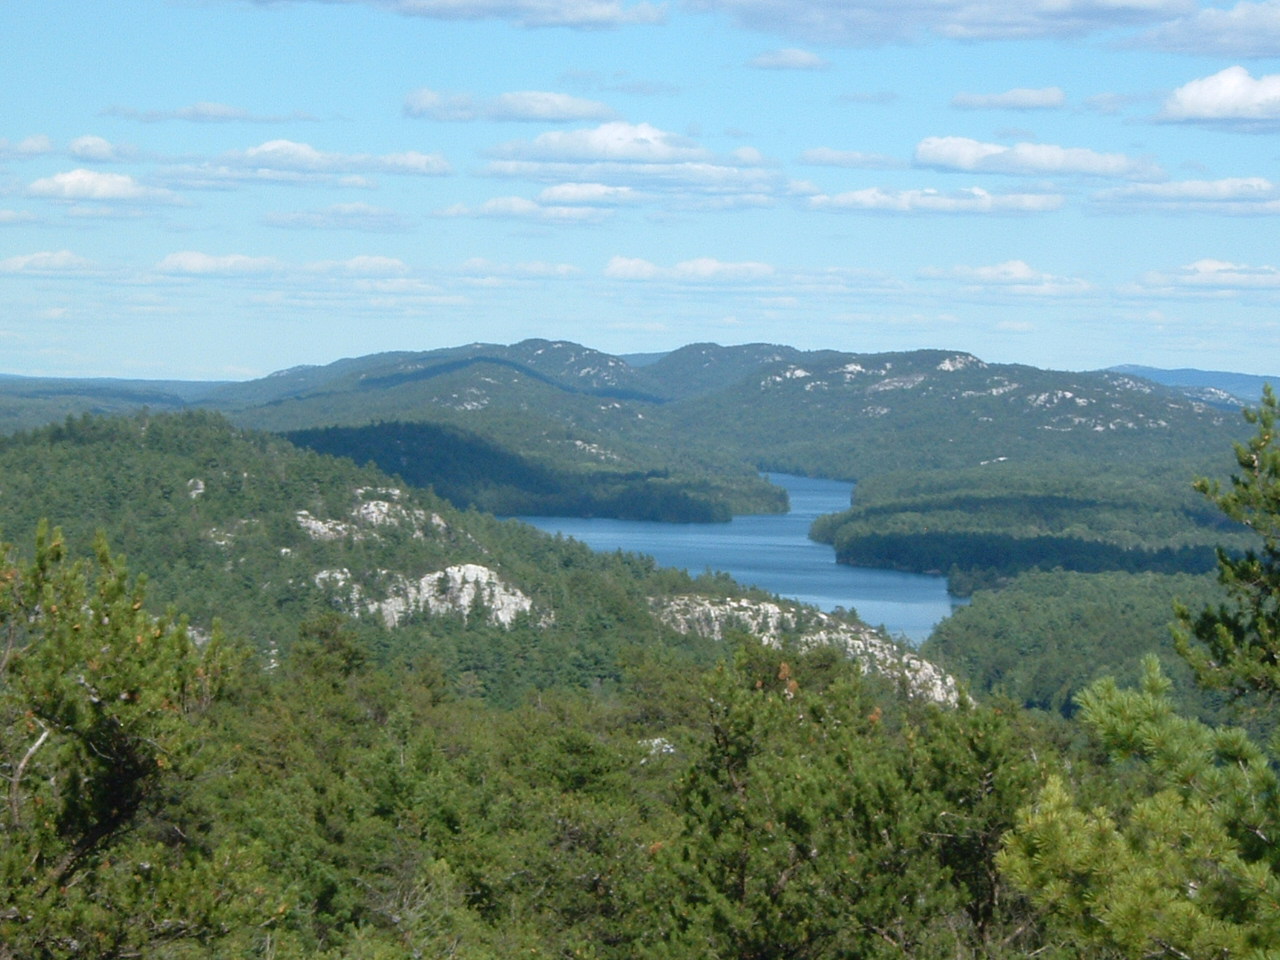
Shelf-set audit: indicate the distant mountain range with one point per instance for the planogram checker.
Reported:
(1210, 385)
(548, 426)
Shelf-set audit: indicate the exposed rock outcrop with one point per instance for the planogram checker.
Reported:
(462, 588)
(712, 617)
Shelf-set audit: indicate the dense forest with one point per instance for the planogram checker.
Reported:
(323, 762)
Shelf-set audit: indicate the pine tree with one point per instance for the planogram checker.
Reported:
(102, 853)
(1186, 864)
(1236, 646)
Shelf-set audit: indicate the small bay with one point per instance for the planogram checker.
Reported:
(774, 552)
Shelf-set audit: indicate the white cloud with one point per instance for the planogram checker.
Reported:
(288, 161)
(542, 105)
(521, 208)
(630, 268)
(16, 216)
(698, 270)
(643, 158)
(872, 22)
(1245, 30)
(1215, 277)
(362, 266)
(97, 149)
(971, 200)
(617, 141)
(440, 106)
(587, 193)
(32, 146)
(84, 184)
(788, 59)
(1232, 196)
(205, 112)
(523, 105)
(1230, 97)
(1044, 98)
(1014, 276)
(827, 157)
(342, 216)
(1029, 159)
(304, 158)
(586, 14)
(487, 273)
(45, 262)
(707, 268)
(195, 263)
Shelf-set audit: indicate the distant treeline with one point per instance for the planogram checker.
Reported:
(471, 471)
(984, 526)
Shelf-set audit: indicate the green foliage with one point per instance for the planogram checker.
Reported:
(829, 822)
(1043, 637)
(1185, 862)
(103, 713)
(1235, 646)
(1186, 867)
(471, 471)
(986, 525)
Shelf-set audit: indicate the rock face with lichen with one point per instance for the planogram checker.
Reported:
(771, 622)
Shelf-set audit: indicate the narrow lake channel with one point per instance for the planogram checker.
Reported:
(774, 552)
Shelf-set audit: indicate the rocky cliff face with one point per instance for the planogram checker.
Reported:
(712, 617)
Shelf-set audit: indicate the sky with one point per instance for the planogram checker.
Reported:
(217, 189)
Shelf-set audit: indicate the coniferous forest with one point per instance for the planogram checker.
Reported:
(260, 701)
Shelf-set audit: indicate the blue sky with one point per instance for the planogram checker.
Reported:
(215, 189)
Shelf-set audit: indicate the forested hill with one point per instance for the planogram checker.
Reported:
(244, 528)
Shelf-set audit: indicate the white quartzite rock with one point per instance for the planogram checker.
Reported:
(711, 617)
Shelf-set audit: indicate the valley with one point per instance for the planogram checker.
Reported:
(278, 681)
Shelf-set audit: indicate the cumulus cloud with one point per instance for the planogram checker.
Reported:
(46, 262)
(971, 200)
(790, 58)
(1013, 276)
(94, 185)
(1245, 30)
(193, 263)
(872, 22)
(342, 216)
(523, 105)
(1231, 97)
(697, 270)
(1029, 159)
(827, 157)
(1243, 196)
(1044, 98)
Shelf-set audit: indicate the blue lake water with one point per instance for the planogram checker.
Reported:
(774, 552)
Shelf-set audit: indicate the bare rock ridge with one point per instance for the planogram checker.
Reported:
(472, 589)
(708, 617)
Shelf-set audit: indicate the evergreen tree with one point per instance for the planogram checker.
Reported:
(103, 848)
(1186, 863)
(1237, 644)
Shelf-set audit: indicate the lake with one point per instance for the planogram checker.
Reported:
(774, 552)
